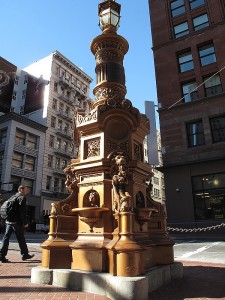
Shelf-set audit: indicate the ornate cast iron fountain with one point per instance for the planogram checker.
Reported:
(109, 223)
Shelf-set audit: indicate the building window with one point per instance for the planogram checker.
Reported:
(56, 184)
(29, 163)
(185, 61)
(32, 141)
(209, 198)
(57, 163)
(17, 160)
(218, 129)
(195, 134)
(156, 193)
(64, 163)
(54, 103)
(14, 95)
(78, 84)
(196, 3)
(3, 134)
(59, 127)
(58, 143)
(21, 109)
(61, 107)
(212, 85)
(190, 91)
(20, 137)
(16, 80)
(1, 158)
(207, 55)
(51, 141)
(156, 180)
(15, 181)
(73, 80)
(48, 183)
(25, 79)
(66, 128)
(55, 86)
(200, 22)
(53, 121)
(65, 146)
(84, 88)
(29, 183)
(181, 29)
(177, 7)
(62, 185)
(67, 111)
(57, 68)
(50, 161)
(68, 94)
(24, 94)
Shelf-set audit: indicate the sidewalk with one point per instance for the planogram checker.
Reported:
(201, 281)
(15, 280)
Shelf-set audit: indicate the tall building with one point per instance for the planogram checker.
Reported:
(21, 159)
(153, 155)
(68, 92)
(188, 46)
(45, 95)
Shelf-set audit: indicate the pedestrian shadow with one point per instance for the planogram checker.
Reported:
(33, 261)
(21, 289)
(198, 282)
(14, 277)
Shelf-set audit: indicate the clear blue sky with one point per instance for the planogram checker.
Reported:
(31, 30)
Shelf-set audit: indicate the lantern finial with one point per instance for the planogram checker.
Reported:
(109, 16)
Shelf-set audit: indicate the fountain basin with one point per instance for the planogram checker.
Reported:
(90, 215)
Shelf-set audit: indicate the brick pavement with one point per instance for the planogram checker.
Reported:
(15, 281)
(201, 281)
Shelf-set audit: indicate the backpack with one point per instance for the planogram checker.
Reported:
(9, 209)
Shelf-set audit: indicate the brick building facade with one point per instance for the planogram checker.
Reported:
(188, 47)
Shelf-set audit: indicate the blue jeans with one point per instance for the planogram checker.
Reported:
(19, 231)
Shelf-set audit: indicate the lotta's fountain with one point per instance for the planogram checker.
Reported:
(109, 237)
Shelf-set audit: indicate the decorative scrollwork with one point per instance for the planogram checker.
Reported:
(93, 148)
(71, 178)
(137, 151)
(110, 93)
(108, 55)
(117, 146)
(92, 116)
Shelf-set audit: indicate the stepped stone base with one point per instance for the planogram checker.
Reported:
(114, 287)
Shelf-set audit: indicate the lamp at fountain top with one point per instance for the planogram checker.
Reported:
(109, 16)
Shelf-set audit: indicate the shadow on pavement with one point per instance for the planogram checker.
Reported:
(199, 282)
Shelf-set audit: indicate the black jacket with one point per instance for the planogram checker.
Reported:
(21, 209)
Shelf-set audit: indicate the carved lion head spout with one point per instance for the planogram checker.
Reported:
(94, 199)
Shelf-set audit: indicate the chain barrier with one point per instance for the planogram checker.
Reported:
(196, 229)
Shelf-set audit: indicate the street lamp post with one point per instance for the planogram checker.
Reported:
(109, 16)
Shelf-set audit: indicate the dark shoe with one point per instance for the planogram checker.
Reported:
(27, 256)
(4, 260)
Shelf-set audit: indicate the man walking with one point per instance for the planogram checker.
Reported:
(17, 225)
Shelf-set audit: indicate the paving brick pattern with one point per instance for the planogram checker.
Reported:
(15, 281)
(201, 281)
